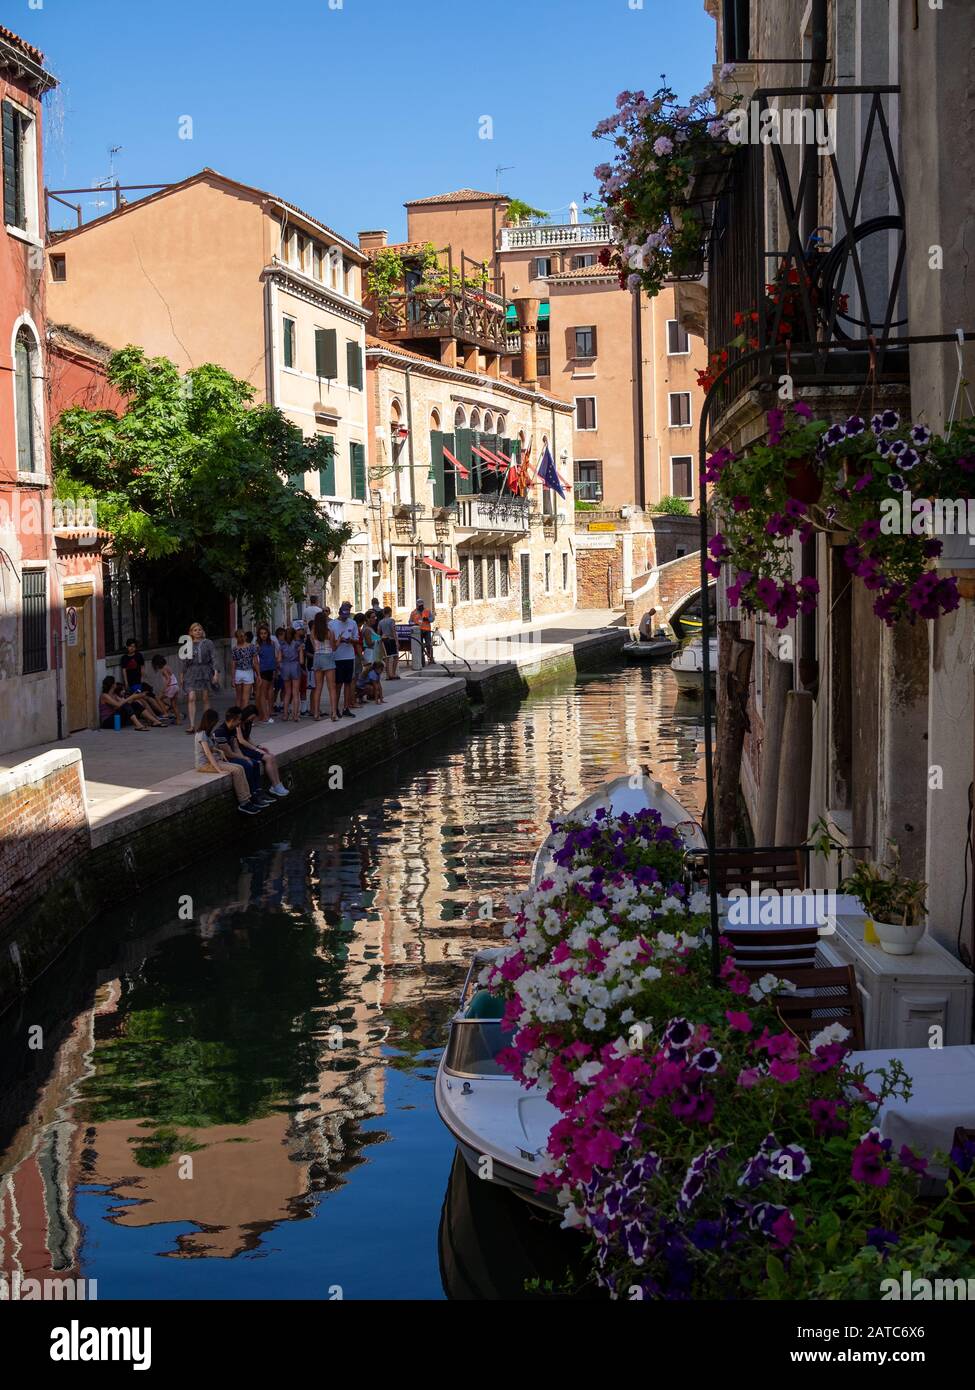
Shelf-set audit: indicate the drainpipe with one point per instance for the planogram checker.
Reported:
(268, 342)
(640, 452)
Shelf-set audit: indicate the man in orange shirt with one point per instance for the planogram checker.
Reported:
(422, 618)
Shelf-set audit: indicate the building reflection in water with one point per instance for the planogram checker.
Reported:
(256, 1041)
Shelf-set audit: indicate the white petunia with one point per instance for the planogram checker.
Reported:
(594, 1020)
(834, 1033)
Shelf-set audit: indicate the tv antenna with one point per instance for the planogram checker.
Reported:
(500, 169)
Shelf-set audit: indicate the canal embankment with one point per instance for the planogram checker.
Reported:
(101, 816)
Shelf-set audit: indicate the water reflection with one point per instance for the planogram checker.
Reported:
(233, 1097)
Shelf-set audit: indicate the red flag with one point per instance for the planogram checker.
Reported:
(464, 473)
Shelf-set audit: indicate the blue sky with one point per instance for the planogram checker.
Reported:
(350, 111)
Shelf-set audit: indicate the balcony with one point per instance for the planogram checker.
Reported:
(498, 516)
(512, 343)
(818, 292)
(587, 490)
(542, 237)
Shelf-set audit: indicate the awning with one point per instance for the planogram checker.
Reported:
(459, 467)
(511, 314)
(444, 569)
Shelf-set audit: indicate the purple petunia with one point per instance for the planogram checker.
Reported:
(834, 435)
(855, 426)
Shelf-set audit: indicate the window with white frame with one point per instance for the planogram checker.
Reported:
(289, 341)
(465, 578)
(503, 562)
(541, 267)
(20, 200)
(682, 476)
(28, 402)
(680, 409)
(678, 343)
(585, 342)
(548, 571)
(586, 412)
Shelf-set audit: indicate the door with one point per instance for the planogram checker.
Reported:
(78, 662)
(526, 587)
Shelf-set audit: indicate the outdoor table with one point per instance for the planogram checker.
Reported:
(943, 1096)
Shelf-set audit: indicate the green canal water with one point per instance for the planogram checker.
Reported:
(234, 1093)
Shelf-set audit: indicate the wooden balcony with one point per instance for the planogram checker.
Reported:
(470, 317)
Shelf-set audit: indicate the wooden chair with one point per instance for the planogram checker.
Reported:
(771, 867)
(824, 996)
(772, 948)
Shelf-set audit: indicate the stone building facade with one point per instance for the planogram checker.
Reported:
(485, 560)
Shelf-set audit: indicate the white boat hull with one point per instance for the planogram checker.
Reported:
(501, 1129)
(625, 795)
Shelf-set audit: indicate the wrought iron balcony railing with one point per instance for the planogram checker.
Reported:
(806, 247)
(587, 490)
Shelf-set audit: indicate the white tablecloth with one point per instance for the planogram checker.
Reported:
(943, 1095)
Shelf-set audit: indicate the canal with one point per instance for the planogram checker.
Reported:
(224, 1089)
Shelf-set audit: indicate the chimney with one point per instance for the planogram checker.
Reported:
(371, 241)
(527, 310)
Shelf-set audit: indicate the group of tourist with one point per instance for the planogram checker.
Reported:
(288, 673)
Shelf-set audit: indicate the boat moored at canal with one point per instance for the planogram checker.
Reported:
(688, 666)
(501, 1129)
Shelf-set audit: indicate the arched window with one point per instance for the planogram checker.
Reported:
(434, 419)
(460, 419)
(475, 419)
(500, 424)
(27, 415)
(488, 422)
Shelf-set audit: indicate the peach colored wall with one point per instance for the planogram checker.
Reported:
(466, 227)
(610, 378)
(178, 274)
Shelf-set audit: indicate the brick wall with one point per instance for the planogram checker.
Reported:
(599, 576)
(43, 826)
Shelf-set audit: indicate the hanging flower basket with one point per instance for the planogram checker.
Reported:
(853, 478)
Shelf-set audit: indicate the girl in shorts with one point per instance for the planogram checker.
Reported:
(323, 668)
(267, 669)
(169, 695)
(244, 656)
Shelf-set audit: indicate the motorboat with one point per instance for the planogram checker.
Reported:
(501, 1128)
(688, 665)
(627, 795)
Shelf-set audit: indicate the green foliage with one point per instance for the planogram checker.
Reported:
(193, 468)
(672, 506)
(520, 211)
(886, 894)
(385, 277)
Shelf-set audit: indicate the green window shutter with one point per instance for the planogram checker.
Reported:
(358, 456)
(297, 480)
(13, 198)
(465, 486)
(326, 353)
(353, 357)
(450, 480)
(477, 474)
(288, 345)
(326, 474)
(436, 467)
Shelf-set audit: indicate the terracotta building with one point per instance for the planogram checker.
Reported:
(448, 525)
(29, 598)
(213, 270)
(622, 361)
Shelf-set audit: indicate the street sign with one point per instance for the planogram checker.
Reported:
(602, 526)
(71, 626)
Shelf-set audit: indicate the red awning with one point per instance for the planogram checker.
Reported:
(457, 464)
(444, 569)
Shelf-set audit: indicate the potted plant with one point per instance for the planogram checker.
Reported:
(894, 904)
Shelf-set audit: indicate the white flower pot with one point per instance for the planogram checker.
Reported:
(898, 940)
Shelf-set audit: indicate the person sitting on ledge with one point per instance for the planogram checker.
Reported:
(256, 752)
(210, 758)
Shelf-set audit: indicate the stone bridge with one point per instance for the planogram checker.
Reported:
(670, 588)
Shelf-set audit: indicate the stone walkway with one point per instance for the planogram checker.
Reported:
(128, 772)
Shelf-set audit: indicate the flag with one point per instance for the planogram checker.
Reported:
(549, 474)
(458, 466)
(524, 480)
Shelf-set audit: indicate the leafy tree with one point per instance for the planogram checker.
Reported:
(193, 469)
(671, 506)
(520, 211)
